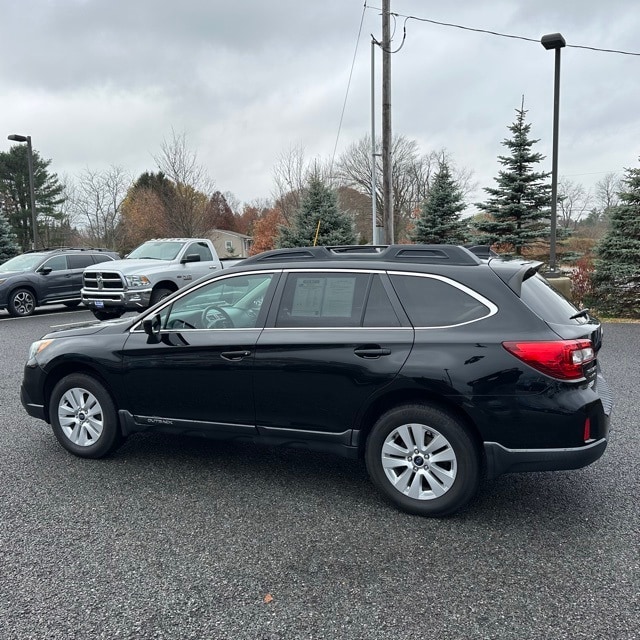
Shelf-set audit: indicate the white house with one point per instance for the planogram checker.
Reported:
(230, 244)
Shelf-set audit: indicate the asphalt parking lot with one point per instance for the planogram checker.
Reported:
(178, 538)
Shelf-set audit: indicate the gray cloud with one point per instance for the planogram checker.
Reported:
(100, 82)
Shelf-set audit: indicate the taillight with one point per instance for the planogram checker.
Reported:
(562, 359)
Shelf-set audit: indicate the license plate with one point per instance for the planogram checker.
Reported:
(99, 304)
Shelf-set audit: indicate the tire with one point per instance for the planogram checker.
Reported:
(83, 417)
(72, 304)
(423, 460)
(21, 303)
(159, 294)
(107, 315)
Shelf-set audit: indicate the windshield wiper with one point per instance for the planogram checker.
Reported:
(581, 314)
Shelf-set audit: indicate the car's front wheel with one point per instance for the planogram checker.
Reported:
(22, 302)
(423, 459)
(159, 294)
(83, 416)
(107, 315)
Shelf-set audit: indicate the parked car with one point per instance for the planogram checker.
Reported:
(149, 273)
(434, 366)
(46, 276)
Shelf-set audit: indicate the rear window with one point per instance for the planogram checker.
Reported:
(548, 303)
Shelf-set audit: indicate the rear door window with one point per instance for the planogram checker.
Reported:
(323, 300)
(79, 261)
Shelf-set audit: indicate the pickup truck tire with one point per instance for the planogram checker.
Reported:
(107, 315)
(159, 294)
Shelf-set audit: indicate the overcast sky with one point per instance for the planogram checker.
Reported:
(103, 82)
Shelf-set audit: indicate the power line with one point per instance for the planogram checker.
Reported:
(344, 105)
(502, 35)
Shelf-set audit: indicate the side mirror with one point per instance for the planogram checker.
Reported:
(45, 271)
(152, 328)
(190, 257)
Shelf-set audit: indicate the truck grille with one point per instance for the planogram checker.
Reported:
(102, 281)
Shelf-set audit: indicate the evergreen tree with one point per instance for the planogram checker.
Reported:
(14, 186)
(8, 245)
(439, 220)
(518, 208)
(319, 216)
(617, 269)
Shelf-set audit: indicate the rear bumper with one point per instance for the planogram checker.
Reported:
(503, 460)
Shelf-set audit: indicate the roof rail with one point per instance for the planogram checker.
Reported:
(53, 249)
(409, 253)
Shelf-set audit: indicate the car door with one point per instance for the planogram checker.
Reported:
(76, 264)
(198, 372)
(54, 279)
(333, 341)
(193, 270)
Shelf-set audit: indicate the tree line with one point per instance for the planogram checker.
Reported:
(318, 202)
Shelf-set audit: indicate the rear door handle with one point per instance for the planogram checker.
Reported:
(234, 355)
(371, 352)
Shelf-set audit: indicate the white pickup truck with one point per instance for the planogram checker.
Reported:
(149, 273)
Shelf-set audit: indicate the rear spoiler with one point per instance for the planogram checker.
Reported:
(513, 273)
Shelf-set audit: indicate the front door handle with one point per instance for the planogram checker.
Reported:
(234, 355)
(371, 352)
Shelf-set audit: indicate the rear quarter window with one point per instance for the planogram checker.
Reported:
(433, 301)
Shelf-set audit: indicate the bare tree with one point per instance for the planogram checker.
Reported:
(411, 176)
(573, 202)
(95, 202)
(289, 176)
(607, 193)
(188, 214)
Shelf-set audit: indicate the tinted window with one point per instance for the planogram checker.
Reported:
(101, 257)
(323, 300)
(431, 302)
(201, 249)
(379, 311)
(79, 261)
(547, 302)
(57, 263)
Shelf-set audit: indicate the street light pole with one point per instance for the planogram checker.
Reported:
(554, 41)
(32, 194)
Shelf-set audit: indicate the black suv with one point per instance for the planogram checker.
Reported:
(435, 366)
(46, 276)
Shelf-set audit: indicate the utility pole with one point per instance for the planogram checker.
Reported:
(387, 197)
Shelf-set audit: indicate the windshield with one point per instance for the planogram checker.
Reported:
(157, 250)
(25, 262)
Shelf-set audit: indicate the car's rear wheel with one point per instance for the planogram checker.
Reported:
(21, 302)
(423, 459)
(83, 417)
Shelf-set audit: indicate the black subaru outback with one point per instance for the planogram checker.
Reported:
(435, 366)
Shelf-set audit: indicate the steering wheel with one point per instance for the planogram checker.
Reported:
(214, 317)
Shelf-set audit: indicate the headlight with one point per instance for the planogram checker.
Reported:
(137, 281)
(37, 347)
